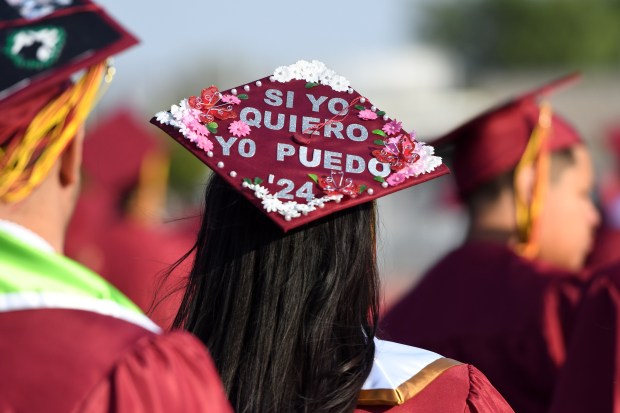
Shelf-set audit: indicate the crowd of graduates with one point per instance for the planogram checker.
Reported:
(267, 301)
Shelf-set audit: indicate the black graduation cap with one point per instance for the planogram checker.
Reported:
(44, 42)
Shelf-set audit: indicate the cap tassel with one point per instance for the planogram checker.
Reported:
(27, 161)
(528, 213)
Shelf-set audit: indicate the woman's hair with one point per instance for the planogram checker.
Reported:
(289, 318)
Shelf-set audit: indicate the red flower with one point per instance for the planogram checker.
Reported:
(207, 105)
(398, 152)
(336, 183)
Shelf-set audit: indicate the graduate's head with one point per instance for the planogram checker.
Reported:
(523, 169)
(54, 61)
(284, 288)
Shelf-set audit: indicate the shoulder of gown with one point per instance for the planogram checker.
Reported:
(588, 379)
(409, 379)
(161, 373)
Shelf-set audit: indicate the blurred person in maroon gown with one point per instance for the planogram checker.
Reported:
(606, 249)
(117, 229)
(505, 299)
(69, 340)
(589, 379)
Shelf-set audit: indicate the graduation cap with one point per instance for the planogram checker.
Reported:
(43, 44)
(495, 141)
(141, 171)
(520, 133)
(119, 131)
(300, 144)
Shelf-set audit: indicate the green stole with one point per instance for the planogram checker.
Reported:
(28, 271)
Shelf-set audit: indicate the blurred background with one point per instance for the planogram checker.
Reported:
(430, 63)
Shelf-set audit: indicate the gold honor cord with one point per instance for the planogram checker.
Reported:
(528, 212)
(52, 129)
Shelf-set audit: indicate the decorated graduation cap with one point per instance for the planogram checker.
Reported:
(300, 144)
(43, 44)
(495, 141)
(520, 133)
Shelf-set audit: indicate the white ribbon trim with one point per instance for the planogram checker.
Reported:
(45, 300)
(396, 363)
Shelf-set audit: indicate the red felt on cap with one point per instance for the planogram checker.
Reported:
(492, 143)
(300, 144)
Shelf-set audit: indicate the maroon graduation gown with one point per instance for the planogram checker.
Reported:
(590, 379)
(460, 389)
(606, 251)
(482, 304)
(58, 360)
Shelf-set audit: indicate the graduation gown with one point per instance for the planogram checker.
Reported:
(606, 250)
(484, 305)
(70, 342)
(408, 379)
(590, 379)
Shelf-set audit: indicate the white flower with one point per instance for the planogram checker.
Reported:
(177, 112)
(319, 66)
(282, 74)
(326, 77)
(163, 117)
(339, 83)
(290, 209)
(260, 191)
(271, 203)
(314, 72)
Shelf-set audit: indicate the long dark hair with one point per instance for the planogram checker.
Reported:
(288, 318)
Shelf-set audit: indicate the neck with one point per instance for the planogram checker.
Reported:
(495, 236)
(42, 212)
(494, 221)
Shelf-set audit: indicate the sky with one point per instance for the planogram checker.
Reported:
(256, 36)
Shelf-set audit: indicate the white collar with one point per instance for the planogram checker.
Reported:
(26, 235)
(399, 372)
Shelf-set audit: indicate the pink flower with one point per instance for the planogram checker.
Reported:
(367, 114)
(194, 125)
(239, 128)
(204, 143)
(393, 127)
(395, 179)
(231, 99)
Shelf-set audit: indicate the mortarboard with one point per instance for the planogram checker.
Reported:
(119, 131)
(44, 42)
(494, 142)
(300, 144)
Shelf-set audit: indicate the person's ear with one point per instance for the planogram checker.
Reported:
(524, 183)
(71, 160)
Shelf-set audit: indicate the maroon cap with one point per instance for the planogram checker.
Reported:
(300, 144)
(119, 131)
(493, 142)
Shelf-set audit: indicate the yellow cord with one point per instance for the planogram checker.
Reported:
(47, 136)
(527, 213)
